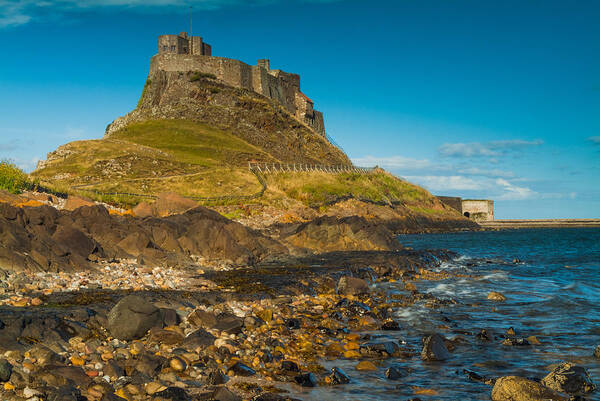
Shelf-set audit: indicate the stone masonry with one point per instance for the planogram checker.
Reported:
(182, 53)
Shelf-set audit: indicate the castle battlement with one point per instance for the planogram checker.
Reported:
(176, 55)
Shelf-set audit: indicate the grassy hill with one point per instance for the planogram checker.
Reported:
(197, 137)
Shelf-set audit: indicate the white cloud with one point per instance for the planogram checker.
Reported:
(19, 12)
(448, 183)
(487, 149)
(392, 162)
(513, 192)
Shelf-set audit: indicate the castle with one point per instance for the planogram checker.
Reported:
(183, 53)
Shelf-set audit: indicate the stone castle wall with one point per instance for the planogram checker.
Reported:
(275, 84)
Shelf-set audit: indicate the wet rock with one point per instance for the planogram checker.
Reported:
(224, 394)
(289, 366)
(434, 348)
(273, 397)
(63, 375)
(569, 378)
(484, 335)
(366, 366)
(348, 285)
(171, 394)
(390, 325)
(597, 352)
(496, 296)
(216, 377)
(306, 380)
(513, 388)
(240, 369)
(5, 370)
(169, 317)
(293, 323)
(515, 342)
(396, 372)
(386, 348)
(132, 317)
(338, 376)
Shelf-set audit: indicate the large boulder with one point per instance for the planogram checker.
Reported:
(434, 348)
(171, 203)
(132, 317)
(569, 378)
(353, 233)
(514, 388)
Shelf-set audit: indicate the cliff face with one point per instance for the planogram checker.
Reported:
(258, 120)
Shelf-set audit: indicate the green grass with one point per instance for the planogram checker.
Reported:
(191, 142)
(317, 189)
(12, 178)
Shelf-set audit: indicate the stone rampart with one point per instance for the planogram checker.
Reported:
(275, 84)
(478, 209)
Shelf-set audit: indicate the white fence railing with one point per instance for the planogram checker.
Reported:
(305, 167)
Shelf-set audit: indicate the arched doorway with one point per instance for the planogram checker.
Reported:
(467, 214)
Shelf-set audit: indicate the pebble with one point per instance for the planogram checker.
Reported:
(496, 296)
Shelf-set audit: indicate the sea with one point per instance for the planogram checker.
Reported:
(551, 281)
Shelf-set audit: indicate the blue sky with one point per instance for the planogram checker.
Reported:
(479, 99)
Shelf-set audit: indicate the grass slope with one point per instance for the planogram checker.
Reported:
(196, 160)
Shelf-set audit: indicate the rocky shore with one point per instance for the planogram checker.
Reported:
(98, 306)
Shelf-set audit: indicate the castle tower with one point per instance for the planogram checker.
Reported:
(183, 44)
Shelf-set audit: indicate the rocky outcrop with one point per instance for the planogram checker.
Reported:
(256, 119)
(46, 239)
(335, 234)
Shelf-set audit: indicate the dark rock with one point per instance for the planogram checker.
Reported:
(387, 348)
(395, 372)
(306, 380)
(348, 285)
(513, 388)
(216, 377)
(65, 393)
(169, 317)
(289, 366)
(390, 325)
(5, 370)
(240, 369)
(171, 394)
(224, 394)
(113, 369)
(230, 324)
(338, 376)
(293, 323)
(149, 364)
(434, 348)
(569, 378)
(202, 318)
(132, 317)
(198, 338)
(57, 376)
(517, 342)
(484, 335)
(162, 336)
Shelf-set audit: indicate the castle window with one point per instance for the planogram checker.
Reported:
(172, 48)
(165, 48)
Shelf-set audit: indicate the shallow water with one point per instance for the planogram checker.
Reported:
(553, 294)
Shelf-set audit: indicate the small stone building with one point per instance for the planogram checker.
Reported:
(475, 209)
